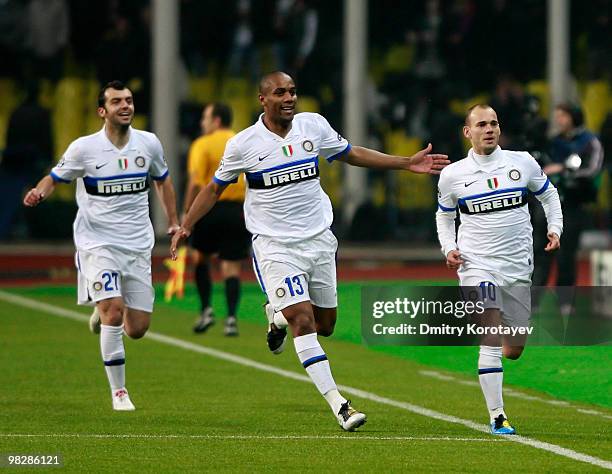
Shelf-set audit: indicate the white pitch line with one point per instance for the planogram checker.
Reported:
(351, 437)
(515, 393)
(552, 448)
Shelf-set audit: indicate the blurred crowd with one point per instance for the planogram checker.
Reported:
(428, 60)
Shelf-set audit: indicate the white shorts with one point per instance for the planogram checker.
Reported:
(511, 295)
(109, 273)
(296, 272)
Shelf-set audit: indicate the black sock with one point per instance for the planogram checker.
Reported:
(232, 294)
(203, 283)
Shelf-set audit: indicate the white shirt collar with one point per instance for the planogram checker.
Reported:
(262, 126)
(489, 162)
(109, 146)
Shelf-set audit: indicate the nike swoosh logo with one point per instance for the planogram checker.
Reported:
(100, 166)
(469, 184)
(261, 158)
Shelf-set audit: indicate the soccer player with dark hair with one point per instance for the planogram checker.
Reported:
(113, 234)
(289, 215)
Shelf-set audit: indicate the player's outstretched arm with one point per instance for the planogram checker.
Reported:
(420, 162)
(203, 203)
(43, 190)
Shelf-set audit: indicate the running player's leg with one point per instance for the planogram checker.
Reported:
(325, 319)
(287, 288)
(314, 360)
(490, 368)
(138, 295)
(323, 284)
(100, 281)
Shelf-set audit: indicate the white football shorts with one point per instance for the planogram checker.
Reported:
(299, 271)
(108, 273)
(511, 295)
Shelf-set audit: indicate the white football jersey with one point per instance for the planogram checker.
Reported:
(491, 195)
(112, 189)
(284, 198)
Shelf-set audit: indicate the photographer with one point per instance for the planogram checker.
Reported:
(576, 161)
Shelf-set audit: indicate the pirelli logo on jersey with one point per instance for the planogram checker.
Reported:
(282, 176)
(117, 185)
(500, 200)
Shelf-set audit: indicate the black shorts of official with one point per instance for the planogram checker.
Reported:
(222, 231)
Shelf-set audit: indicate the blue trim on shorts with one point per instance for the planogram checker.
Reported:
(261, 283)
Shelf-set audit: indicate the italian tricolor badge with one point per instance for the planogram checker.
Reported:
(123, 163)
(493, 183)
(287, 150)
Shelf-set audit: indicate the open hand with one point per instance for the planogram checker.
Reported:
(423, 162)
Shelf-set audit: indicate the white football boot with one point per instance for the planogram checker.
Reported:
(121, 401)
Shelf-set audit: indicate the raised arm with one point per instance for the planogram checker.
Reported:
(420, 162)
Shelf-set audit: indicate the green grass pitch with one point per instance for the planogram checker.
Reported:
(196, 412)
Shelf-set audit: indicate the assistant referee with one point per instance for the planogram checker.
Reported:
(222, 231)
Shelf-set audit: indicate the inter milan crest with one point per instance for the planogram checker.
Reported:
(493, 183)
(97, 286)
(514, 174)
(140, 161)
(123, 163)
(307, 146)
(288, 150)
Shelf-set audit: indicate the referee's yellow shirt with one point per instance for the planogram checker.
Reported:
(204, 157)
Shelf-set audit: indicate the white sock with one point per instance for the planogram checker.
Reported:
(314, 360)
(279, 320)
(113, 355)
(275, 317)
(491, 376)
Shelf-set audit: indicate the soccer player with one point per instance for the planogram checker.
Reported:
(113, 234)
(494, 248)
(289, 216)
(223, 230)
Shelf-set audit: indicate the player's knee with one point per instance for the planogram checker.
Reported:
(111, 312)
(136, 331)
(326, 329)
(512, 352)
(302, 323)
